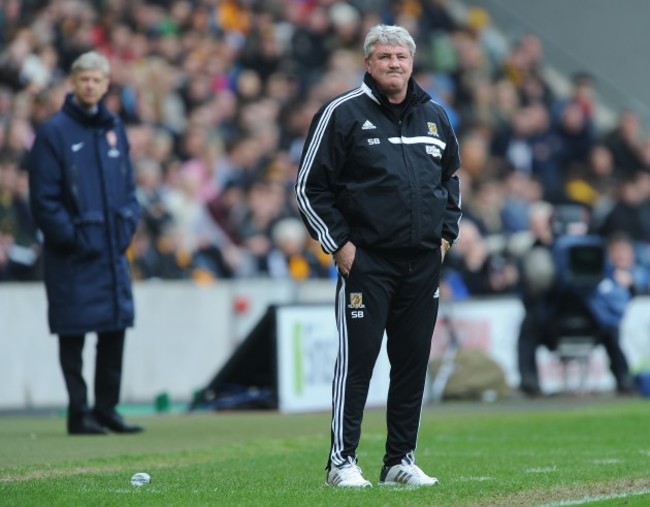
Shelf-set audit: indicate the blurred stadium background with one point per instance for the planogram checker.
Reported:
(549, 100)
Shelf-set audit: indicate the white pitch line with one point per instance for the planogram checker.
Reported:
(598, 498)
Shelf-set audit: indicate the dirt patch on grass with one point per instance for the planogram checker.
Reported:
(580, 492)
(53, 473)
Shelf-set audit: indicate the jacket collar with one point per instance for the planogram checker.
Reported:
(414, 94)
(100, 118)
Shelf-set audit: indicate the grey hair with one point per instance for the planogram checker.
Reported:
(91, 60)
(389, 35)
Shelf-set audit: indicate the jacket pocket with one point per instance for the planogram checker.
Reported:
(90, 234)
(125, 223)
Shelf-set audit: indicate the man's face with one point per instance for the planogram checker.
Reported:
(391, 67)
(89, 86)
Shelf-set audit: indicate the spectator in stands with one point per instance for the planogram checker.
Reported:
(4, 258)
(155, 214)
(475, 156)
(84, 201)
(592, 183)
(266, 204)
(482, 27)
(520, 193)
(21, 252)
(624, 280)
(485, 207)
(625, 143)
(524, 60)
(582, 95)
(630, 210)
(482, 272)
(575, 133)
(310, 42)
(290, 257)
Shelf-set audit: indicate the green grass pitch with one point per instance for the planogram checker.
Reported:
(564, 451)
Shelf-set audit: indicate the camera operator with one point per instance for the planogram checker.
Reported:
(546, 297)
(536, 281)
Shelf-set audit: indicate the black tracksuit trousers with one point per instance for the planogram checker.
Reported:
(396, 293)
(108, 372)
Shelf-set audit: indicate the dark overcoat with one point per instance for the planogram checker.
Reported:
(82, 194)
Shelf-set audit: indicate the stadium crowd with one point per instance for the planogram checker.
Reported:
(217, 96)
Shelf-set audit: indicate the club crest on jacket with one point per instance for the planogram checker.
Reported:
(111, 137)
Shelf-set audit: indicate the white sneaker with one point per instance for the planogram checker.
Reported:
(405, 473)
(348, 475)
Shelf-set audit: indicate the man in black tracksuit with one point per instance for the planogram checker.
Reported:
(376, 187)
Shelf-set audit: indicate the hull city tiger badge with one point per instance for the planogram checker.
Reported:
(356, 304)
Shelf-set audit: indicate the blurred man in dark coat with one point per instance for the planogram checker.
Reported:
(83, 200)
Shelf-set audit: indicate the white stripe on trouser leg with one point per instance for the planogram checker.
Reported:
(340, 377)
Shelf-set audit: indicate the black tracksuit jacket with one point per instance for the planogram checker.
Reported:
(377, 180)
